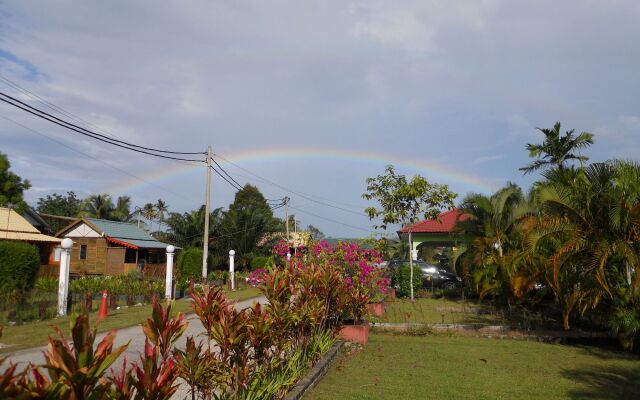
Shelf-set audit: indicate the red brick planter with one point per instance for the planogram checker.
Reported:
(375, 309)
(355, 333)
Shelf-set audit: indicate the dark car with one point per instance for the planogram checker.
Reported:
(433, 275)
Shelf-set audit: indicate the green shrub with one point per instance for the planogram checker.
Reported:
(261, 262)
(403, 279)
(19, 264)
(190, 263)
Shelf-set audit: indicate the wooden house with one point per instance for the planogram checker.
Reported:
(103, 247)
(13, 226)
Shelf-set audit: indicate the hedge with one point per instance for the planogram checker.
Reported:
(189, 263)
(403, 278)
(261, 262)
(19, 264)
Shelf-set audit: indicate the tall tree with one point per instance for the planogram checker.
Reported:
(161, 210)
(493, 227)
(149, 212)
(68, 205)
(12, 186)
(316, 234)
(98, 206)
(406, 202)
(556, 150)
(246, 223)
(122, 210)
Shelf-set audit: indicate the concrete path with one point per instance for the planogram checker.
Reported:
(133, 335)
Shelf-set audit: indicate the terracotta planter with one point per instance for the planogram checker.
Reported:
(391, 293)
(375, 309)
(355, 333)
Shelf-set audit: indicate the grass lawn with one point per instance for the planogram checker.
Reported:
(32, 334)
(451, 367)
(433, 311)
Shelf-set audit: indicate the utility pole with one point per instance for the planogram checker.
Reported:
(296, 237)
(286, 216)
(207, 200)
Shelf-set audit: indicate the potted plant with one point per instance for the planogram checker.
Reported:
(354, 328)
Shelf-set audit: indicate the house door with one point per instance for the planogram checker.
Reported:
(115, 260)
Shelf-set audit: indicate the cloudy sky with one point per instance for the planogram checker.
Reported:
(312, 96)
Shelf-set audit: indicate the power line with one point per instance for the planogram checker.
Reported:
(67, 125)
(226, 173)
(56, 108)
(93, 158)
(225, 179)
(52, 106)
(333, 220)
(308, 197)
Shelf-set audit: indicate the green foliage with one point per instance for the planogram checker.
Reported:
(12, 186)
(101, 206)
(316, 234)
(261, 262)
(403, 280)
(405, 202)
(19, 264)
(189, 263)
(556, 150)
(246, 223)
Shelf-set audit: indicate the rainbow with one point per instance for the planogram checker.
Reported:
(445, 173)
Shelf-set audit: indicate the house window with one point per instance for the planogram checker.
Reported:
(83, 251)
(56, 254)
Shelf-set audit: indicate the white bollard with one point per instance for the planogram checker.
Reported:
(168, 284)
(232, 272)
(63, 280)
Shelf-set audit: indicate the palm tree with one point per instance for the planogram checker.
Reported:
(122, 211)
(98, 206)
(161, 210)
(589, 226)
(494, 230)
(555, 150)
(149, 212)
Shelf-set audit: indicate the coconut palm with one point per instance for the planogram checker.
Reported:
(122, 211)
(98, 206)
(161, 210)
(556, 150)
(149, 213)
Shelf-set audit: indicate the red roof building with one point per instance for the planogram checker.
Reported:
(445, 223)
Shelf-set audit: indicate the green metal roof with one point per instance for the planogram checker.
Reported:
(127, 232)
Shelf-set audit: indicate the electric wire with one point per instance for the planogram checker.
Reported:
(60, 110)
(94, 158)
(307, 197)
(334, 221)
(65, 124)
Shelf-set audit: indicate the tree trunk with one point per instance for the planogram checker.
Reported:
(565, 319)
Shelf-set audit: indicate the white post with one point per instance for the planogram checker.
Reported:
(63, 280)
(232, 272)
(414, 254)
(168, 284)
(288, 256)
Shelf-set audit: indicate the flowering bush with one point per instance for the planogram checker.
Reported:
(363, 282)
(357, 265)
(257, 277)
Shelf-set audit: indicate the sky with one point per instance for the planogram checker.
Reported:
(312, 97)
